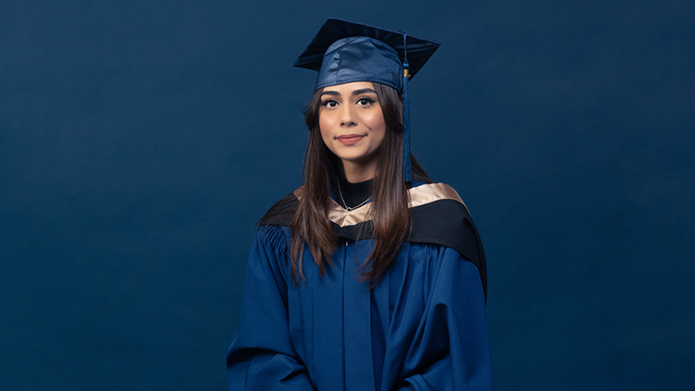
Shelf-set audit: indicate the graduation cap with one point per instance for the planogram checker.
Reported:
(345, 52)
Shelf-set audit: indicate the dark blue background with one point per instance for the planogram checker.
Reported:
(141, 140)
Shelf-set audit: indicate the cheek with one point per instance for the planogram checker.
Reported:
(325, 128)
(377, 124)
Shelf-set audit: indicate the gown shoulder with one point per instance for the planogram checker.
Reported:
(439, 216)
(281, 212)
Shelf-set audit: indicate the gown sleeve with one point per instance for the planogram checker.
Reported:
(261, 356)
(450, 350)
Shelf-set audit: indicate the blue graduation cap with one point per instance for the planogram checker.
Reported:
(345, 52)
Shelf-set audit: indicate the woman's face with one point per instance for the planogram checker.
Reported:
(352, 127)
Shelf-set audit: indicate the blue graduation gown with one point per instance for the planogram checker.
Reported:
(422, 327)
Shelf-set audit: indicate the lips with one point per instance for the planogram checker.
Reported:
(350, 139)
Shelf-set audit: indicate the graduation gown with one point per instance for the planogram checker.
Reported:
(422, 327)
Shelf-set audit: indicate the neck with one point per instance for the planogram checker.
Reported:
(355, 173)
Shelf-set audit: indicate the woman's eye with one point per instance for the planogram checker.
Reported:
(365, 101)
(329, 103)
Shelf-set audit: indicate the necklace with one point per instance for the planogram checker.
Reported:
(345, 205)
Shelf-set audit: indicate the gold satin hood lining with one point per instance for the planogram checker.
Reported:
(420, 195)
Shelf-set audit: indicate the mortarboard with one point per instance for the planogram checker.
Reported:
(345, 52)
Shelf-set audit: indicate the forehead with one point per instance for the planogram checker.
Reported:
(348, 88)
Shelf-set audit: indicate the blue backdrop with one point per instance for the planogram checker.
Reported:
(141, 140)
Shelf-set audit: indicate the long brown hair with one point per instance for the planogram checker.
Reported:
(390, 214)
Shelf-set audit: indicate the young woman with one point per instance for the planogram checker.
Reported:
(369, 276)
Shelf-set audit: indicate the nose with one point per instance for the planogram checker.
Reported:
(347, 116)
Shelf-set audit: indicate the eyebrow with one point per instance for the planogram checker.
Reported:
(356, 92)
(363, 91)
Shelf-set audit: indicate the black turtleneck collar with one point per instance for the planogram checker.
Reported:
(353, 193)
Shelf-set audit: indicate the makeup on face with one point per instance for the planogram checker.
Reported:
(352, 124)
